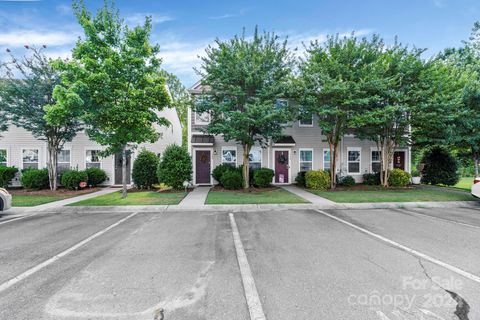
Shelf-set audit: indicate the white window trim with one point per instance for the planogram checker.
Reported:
(70, 162)
(300, 159)
(201, 122)
(21, 156)
(359, 160)
(7, 157)
(323, 158)
(305, 125)
(230, 148)
(371, 158)
(100, 159)
(261, 155)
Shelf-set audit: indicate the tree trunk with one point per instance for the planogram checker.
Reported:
(333, 161)
(388, 148)
(124, 172)
(246, 165)
(52, 164)
(475, 163)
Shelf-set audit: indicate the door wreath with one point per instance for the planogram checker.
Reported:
(203, 158)
(282, 159)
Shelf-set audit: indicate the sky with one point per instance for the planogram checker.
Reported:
(183, 29)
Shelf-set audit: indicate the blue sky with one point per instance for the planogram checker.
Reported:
(184, 28)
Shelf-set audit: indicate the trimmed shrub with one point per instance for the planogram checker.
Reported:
(440, 167)
(399, 178)
(371, 179)
(262, 177)
(71, 179)
(219, 170)
(35, 179)
(144, 169)
(6, 175)
(232, 180)
(317, 179)
(175, 167)
(347, 181)
(300, 179)
(95, 176)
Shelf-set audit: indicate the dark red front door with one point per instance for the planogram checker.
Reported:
(202, 166)
(281, 167)
(399, 160)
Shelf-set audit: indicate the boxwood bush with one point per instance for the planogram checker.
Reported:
(35, 179)
(399, 178)
(440, 167)
(144, 169)
(219, 170)
(96, 176)
(6, 175)
(371, 179)
(317, 179)
(175, 167)
(347, 181)
(232, 180)
(300, 179)
(71, 179)
(262, 177)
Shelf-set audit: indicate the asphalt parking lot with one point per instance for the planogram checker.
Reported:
(304, 264)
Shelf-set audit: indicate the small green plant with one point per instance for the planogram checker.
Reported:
(144, 169)
(262, 177)
(36, 179)
(440, 167)
(347, 181)
(96, 176)
(371, 179)
(71, 179)
(399, 178)
(300, 179)
(317, 179)
(6, 175)
(175, 167)
(219, 170)
(415, 173)
(232, 180)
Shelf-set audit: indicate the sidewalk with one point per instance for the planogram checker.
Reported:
(195, 199)
(314, 199)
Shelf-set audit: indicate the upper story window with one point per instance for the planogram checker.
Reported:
(202, 118)
(376, 155)
(306, 118)
(3, 157)
(354, 156)
(229, 156)
(306, 159)
(92, 159)
(255, 158)
(63, 160)
(30, 158)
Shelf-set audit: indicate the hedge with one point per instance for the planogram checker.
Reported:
(262, 177)
(318, 180)
(71, 179)
(6, 175)
(144, 169)
(35, 179)
(175, 167)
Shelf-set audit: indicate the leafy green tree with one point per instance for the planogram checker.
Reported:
(26, 95)
(245, 77)
(331, 83)
(393, 89)
(116, 72)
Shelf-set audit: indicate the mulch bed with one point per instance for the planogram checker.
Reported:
(250, 190)
(58, 192)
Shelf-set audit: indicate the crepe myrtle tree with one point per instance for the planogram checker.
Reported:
(26, 95)
(115, 71)
(331, 82)
(245, 78)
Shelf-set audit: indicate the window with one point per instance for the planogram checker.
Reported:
(92, 159)
(3, 157)
(353, 161)
(306, 118)
(306, 159)
(376, 161)
(202, 118)
(255, 158)
(30, 158)
(63, 161)
(326, 159)
(229, 156)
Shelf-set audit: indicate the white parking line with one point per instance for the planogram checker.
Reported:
(29, 272)
(251, 293)
(407, 249)
(22, 217)
(440, 218)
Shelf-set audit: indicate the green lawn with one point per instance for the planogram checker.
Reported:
(276, 196)
(34, 200)
(464, 183)
(134, 198)
(395, 195)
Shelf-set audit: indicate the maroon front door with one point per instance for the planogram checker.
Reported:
(399, 160)
(281, 167)
(202, 166)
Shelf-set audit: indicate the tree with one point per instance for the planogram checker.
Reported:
(245, 77)
(330, 82)
(26, 96)
(393, 89)
(116, 72)
(181, 101)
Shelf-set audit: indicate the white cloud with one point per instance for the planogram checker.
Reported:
(229, 15)
(19, 38)
(139, 18)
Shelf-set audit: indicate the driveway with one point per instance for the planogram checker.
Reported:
(303, 264)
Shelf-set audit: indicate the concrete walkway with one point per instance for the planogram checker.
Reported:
(195, 199)
(314, 199)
